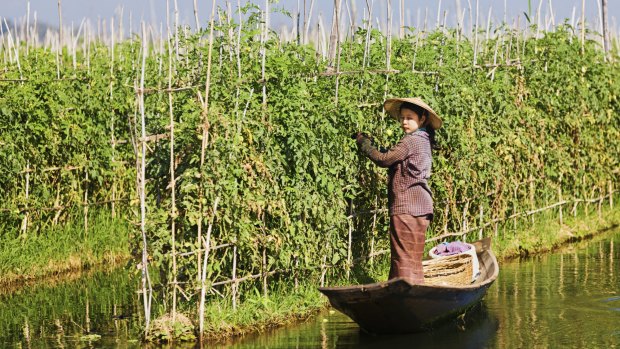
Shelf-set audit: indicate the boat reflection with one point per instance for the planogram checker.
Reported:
(477, 329)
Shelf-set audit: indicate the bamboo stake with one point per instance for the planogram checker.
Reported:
(234, 277)
(14, 44)
(172, 184)
(323, 266)
(196, 16)
(59, 24)
(438, 21)
(531, 182)
(335, 33)
(307, 22)
(551, 14)
(205, 131)
(476, 35)
(538, 18)
(611, 194)
(176, 29)
(415, 51)
(264, 54)
(488, 24)
(560, 198)
(296, 272)
(372, 232)
(203, 276)
(388, 47)
(583, 26)
(350, 240)
(401, 32)
(86, 204)
(27, 27)
(471, 20)
(514, 207)
(25, 221)
(445, 222)
(337, 52)
(264, 271)
(605, 28)
(464, 222)
(367, 41)
(113, 138)
(146, 294)
(481, 222)
(600, 204)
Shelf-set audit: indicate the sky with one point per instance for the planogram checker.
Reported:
(154, 11)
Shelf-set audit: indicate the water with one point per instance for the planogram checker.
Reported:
(566, 299)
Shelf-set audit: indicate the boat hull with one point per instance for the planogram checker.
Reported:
(396, 306)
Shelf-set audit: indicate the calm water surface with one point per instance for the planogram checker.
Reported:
(567, 299)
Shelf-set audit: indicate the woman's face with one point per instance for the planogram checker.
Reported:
(410, 120)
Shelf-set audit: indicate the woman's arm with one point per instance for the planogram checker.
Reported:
(397, 153)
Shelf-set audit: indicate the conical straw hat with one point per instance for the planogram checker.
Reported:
(392, 106)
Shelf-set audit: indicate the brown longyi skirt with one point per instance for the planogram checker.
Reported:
(407, 236)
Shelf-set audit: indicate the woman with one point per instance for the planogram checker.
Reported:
(409, 197)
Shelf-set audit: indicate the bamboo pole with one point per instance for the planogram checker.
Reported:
(205, 132)
(264, 271)
(438, 20)
(196, 16)
(388, 47)
(367, 41)
(401, 31)
(531, 182)
(372, 232)
(600, 204)
(464, 222)
(59, 24)
(337, 51)
(446, 213)
(146, 294)
(86, 203)
(113, 137)
(335, 33)
(560, 198)
(611, 194)
(605, 27)
(307, 21)
(349, 243)
(323, 265)
(481, 221)
(203, 276)
(514, 207)
(476, 35)
(172, 184)
(25, 220)
(234, 277)
(264, 54)
(583, 26)
(27, 27)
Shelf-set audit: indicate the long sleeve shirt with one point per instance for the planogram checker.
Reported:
(409, 167)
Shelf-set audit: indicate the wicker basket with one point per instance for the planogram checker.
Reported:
(449, 270)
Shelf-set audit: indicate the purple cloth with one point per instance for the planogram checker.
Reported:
(450, 248)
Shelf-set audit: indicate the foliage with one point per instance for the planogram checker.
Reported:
(286, 173)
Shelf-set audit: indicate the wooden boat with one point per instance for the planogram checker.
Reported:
(396, 306)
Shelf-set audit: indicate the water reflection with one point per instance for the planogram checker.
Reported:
(564, 299)
(570, 298)
(335, 330)
(72, 313)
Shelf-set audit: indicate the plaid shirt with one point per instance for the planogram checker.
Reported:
(409, 164)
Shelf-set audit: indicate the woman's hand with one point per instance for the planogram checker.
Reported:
(359, 136)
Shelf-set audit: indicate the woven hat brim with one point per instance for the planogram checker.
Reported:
(392, 106)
